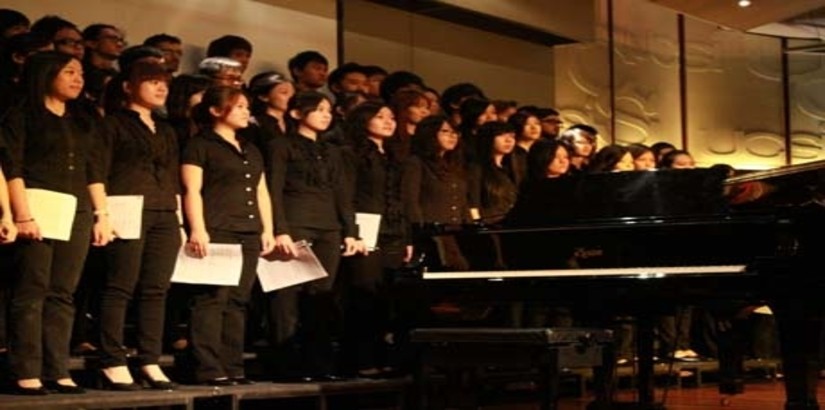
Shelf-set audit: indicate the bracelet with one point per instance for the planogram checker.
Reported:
(24, 221)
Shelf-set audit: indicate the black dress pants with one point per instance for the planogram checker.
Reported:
(304, 315)
(140, 267)
(41, 310)
(218, 315)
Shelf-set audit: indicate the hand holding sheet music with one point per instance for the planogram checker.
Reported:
(277, 274)
(53, 212)
(126, 215)
(221, 266)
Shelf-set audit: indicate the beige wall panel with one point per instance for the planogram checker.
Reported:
(444, 53)
(646, 74)
(807, 98)
(571, 19)
(734, 96)
(277, 28)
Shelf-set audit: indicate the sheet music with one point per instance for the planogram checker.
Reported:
(368, 226)
(126, 215)
(53, 212)
(278, 274)
(222, 266)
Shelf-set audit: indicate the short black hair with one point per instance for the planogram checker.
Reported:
(223, 46)
(337, 75)
(584, 127)
(398, 80)
(544, 112)
(135, 53)
(300, 60)
(155, 40)
(371, 70)
(48, 26)
(92, 32)
(10, 18)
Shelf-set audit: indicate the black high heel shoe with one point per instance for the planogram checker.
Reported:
(157, 384)
(108, 384)
(63, 388)
(19, 390)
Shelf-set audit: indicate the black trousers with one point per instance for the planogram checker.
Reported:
(364, 293)
(218, 315)
(305, 315)
(140, 267)
(41, 310)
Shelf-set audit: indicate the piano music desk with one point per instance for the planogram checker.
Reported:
(464, 354)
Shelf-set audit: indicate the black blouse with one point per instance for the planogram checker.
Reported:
(264, 129)
(432, 195)
(230, 182)
(309, 185)
(141, 162)
(57, 153)
(378, 187)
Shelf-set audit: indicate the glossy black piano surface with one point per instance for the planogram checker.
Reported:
(680, 236)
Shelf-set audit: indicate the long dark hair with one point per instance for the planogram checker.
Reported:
(541, 154)
(357, 124)
(606, 159)
(426, 147)
(39, 73)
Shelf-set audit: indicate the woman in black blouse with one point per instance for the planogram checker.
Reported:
(498, 179)
(271, 92)
(50, 146)
(140, 158)
(435, 186)
(226, 201)
(312, 196)
(377, 174)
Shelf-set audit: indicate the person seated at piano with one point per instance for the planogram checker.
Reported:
(643, 157)
(677, 159)
(580, 139)
(435, 187)
(498, 182)
(612, 158)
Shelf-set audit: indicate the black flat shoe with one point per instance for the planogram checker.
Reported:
(158, 384)
(63, 388)
(242, 381)
(16, 389)
(107, 384)
(220, 382)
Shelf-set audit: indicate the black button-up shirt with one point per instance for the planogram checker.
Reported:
(433, 196)
(230, 182)
(57, 153)
(139, 161)
(309, 185)
(378, 187)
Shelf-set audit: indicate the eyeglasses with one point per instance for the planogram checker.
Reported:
(168, 51)
(70, 42)
(112, 37)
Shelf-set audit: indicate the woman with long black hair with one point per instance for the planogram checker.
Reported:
(377, 175)
(51, 146)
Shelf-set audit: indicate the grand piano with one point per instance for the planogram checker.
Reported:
(640, 243)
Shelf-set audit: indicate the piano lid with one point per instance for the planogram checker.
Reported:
(664, 193)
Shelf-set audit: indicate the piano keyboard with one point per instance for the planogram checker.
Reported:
(651, 272)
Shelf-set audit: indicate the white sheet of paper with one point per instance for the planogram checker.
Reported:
(277, 274)
(221, 266)
(126, 215)
(763, 310)
(368, 226)
(53, 212)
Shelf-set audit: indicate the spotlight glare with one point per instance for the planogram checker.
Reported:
(744, 3)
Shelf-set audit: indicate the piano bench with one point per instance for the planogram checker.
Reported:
(468, 358)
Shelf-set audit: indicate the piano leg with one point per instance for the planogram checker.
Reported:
(732, 344)
(800, 330)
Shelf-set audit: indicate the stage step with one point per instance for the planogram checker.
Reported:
(392, 393)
